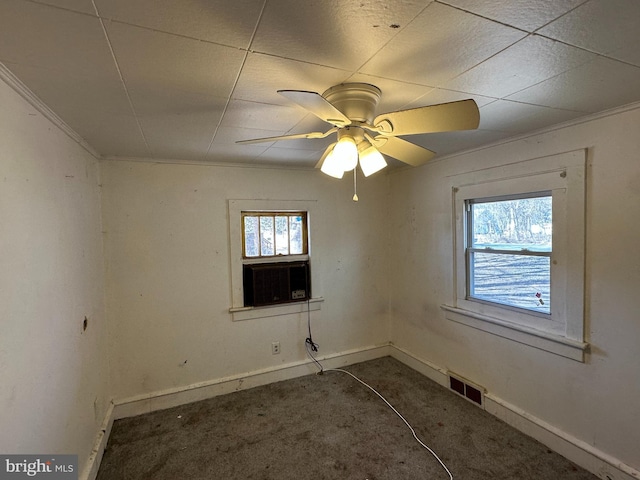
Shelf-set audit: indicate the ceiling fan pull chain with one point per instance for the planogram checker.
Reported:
(355, 185)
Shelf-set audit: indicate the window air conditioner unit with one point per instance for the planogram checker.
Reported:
(273, 283)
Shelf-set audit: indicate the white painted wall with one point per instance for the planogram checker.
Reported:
(53, 376)
(597, 401)
(168, 272)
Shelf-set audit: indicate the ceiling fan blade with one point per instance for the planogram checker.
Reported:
(288, 137)
(402, 150)
(445, 117)
(318, 105)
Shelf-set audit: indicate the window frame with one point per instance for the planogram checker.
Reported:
(470, 250)
(561, 332)
(314, 217)
(274, 214)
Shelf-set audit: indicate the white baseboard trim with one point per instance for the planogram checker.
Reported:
(578, 451)
(159, 400)
(90, 471)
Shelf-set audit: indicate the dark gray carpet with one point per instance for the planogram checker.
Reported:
(329, 427)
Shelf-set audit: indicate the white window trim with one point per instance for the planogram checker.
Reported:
(237, 310)
(562, 332)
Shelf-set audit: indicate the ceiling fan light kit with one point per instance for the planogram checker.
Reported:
(363, 138)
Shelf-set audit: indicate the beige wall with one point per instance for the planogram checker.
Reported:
(54, 388)
(597, 401)
(168, 272)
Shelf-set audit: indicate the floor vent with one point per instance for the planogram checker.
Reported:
(466, 389)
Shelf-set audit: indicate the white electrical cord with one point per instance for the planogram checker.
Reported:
(413, 432)
(313, 347)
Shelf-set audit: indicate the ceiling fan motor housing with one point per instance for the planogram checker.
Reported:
(357, 101)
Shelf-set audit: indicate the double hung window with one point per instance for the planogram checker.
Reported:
(519, 246)
(508, 250)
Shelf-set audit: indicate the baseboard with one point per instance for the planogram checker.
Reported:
(90, 471)
(579, 452)
(160, 400)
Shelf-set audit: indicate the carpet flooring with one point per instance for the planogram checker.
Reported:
(327, 427)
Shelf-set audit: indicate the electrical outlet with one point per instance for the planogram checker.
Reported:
(275, 348)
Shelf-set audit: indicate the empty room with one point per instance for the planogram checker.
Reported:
(290, 239)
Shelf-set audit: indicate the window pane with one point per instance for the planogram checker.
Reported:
(282, 235)
(517, 280)
(513, 224)
(295, 235)
(251, 237)
(266, 236)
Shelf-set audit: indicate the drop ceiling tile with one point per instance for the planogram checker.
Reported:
(522, 65)
(289, 156)
(176, 122)
(218, 21)
(230, 135)
(317, 145)
(38, 35)
(84, 6)
(628, 53)
(515, 117)
(440, 44)
(116, 135)
(165, 61)
(263, 75)
(64, 91)
(247, 154)
(245, 114)
(607, 27)
(332, 32)
(595, 86)
(528, 15)
(95, 107)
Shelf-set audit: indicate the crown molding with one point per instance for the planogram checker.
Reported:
(21, 89)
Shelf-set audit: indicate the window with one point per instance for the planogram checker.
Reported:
(270, 234)
(519, 244)
(508, 250)
(273, 238)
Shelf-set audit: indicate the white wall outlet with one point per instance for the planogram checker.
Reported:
(275, 348)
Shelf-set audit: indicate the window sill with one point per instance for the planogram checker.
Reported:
(556, 344)
(250, 313)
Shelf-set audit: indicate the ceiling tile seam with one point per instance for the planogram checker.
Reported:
(235, 81)
(563, 73)
(584, 49)
(398, 30)
(282, 57)
(485, 60)
(536, 105)
(58, 7)
(124, 85)
(173, 34)
(493, 20)
(560, 16)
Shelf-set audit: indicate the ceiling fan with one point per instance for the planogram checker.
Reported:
(363, 137)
